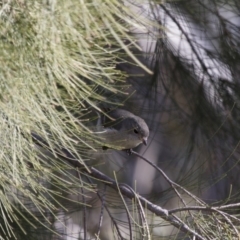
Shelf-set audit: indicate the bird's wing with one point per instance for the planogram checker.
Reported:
(117, 116)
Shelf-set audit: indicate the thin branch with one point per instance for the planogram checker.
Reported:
(163, 213)
(172, 183)
(204, 67)
(84, 210)
(126, 208)
(114, 223)
(201, 208)
(108, 211)
(143, 218)
(102, 209)
(229, 221)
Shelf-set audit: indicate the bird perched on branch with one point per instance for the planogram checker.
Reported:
(122, 130)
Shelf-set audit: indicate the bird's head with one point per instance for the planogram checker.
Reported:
(137, 128)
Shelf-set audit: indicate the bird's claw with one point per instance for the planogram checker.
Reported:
(129, 151)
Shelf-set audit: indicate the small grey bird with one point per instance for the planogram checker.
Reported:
(122, 130)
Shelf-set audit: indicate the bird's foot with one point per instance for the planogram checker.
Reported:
(129, 151)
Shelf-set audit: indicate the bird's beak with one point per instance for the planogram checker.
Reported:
(144, 140)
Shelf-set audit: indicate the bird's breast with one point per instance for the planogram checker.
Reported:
(118, 140)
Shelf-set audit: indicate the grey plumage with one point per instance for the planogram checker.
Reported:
(123, 130)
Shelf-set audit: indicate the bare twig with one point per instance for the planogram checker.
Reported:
(143, 218)
(163, 213)
(172, 183)
(186, 208)
(102, 208)
(127, 211)
(108, 211)
(84, 210)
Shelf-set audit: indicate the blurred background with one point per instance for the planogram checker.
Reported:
(175, 64)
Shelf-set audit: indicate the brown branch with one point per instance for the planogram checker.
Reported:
(157, 210)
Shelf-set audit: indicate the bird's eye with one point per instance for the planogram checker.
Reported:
(136, 131)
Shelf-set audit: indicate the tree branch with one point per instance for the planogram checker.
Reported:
(123, 188)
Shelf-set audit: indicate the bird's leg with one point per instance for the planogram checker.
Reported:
(129, 151)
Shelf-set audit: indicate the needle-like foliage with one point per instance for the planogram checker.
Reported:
(57, 62)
